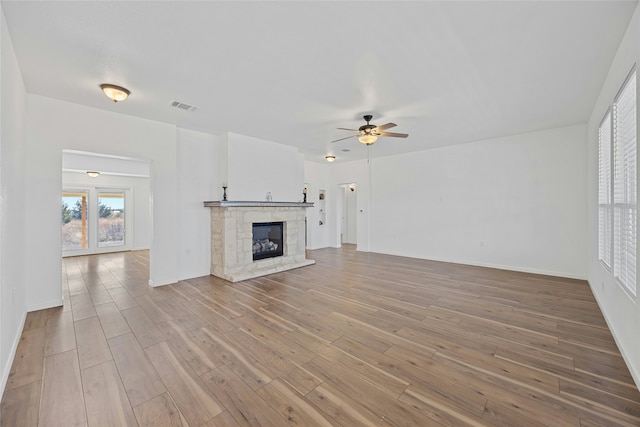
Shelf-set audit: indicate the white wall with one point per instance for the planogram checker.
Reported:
(516, 202)
(82, 161)
(256, 166)
(13, 289)
(54, 125)
(357, 172)
(140, 189)
(331, 177)
(197, 182)
(620, 310)
(317, 177)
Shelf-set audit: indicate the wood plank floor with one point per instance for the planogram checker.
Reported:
(355, 340)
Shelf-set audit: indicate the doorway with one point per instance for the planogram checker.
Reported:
(106, 203)
(349, 216)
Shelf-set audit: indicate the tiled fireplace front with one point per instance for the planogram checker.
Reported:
(232, 238)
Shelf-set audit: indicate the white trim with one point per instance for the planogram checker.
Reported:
(109, 156)
(635, 375)
(490, 265)
(47, 304)
(133, 175)
(12, 355)
(194, 274)
(156, 283)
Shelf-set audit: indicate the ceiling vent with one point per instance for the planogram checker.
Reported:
(183, 106)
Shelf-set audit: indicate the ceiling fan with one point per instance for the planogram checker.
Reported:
(368, 134)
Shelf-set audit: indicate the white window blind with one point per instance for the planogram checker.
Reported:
(604, 190)
(624, 185)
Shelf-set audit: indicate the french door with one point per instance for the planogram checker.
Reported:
(96, 220)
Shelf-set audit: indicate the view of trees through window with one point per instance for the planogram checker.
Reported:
(76, 214)
(110, 219)
(74, 221)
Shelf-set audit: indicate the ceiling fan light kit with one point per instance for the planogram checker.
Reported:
(368, 134)
(367, 139)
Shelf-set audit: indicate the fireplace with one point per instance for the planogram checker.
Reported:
(232, 237)
(268, 240)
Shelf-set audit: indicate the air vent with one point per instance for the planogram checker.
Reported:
(345, 150)
(183, 106)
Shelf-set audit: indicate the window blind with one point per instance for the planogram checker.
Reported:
(604, 190)
(624, 185)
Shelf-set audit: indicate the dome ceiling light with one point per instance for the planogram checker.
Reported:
(115, 93)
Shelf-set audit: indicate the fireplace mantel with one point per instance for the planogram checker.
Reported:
(231, 237)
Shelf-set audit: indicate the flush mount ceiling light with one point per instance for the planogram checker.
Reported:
(93, 174)
(115, 93)
(330, 158)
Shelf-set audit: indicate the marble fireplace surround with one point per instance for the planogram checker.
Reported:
(231, 238)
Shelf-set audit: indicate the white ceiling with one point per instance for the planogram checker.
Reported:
(292, 72)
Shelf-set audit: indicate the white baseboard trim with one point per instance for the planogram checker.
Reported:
(156, 283)
(46, 304)
(194, 274)
(491, 265)
(12, 355)
(632, 367)
(141, 248)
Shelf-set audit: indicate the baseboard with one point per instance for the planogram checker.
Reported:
(141, 248)
(47, 304)
(156, 283)
(194, 274)
(632, 368)
(491, 265)
(14, 347)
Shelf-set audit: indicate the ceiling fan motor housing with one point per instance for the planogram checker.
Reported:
(368, 128)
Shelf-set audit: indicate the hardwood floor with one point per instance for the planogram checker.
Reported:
(357, 339)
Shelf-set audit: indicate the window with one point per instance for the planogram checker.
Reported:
(604, 190)
(111, 227)
(95, 220)
(624, 184)
(617, 186)
(74, 220)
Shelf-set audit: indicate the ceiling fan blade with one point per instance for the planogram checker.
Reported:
(352, 130)
(344, 138)
(393, 134)
(387, 126)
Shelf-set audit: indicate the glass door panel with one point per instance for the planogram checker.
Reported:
(111, 225)
(75, 234)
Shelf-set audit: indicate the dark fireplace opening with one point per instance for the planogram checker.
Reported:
(268, 240)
